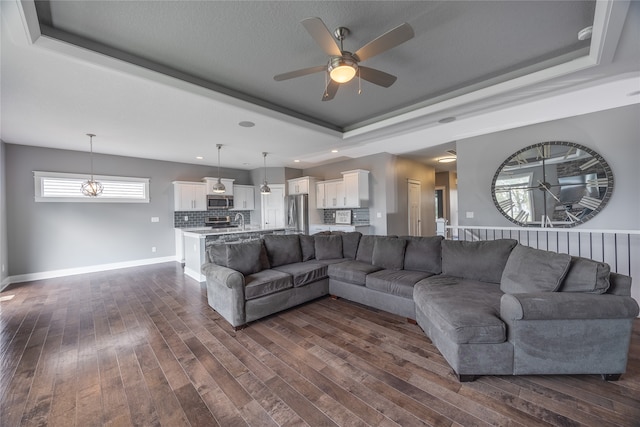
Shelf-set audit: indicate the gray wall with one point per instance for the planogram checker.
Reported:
(4, 260)
(46, 237)
(614, 134)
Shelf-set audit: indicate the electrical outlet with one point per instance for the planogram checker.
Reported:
(155, 219)
(153, 249)
(469, 214)
(186, 218)
(378, 214)
(3, 268)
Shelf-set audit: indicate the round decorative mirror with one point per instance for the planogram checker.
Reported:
(552, 184)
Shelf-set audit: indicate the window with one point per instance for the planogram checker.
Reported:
(65, 187)
(514, 196)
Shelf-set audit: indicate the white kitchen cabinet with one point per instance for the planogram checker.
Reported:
(301, 185)
(320, 197)
(334, 194)
(243, 198)
(228, 185)
(189, 196)
(356, 188)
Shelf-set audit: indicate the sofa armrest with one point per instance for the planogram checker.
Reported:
(566, 305)
(224, 275)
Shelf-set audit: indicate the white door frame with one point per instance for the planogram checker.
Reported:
(410, 184)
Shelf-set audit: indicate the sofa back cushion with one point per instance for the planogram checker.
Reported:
(530, 270)
(328, 247)
(307, 245)
(365, 247)
(423, 254)
(217, 254)
(350, 244)
(283, 249)
(245, 257)
(482, 260)
(586, 275)
(388, 253)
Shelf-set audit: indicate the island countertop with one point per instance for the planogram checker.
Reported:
(199, 232)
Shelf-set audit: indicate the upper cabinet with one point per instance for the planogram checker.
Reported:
(352, 191)
(228, 185)
(356, 188)
(189, 196)
(243, 198)
(301, 185)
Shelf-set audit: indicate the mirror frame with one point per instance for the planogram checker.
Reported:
(574, 213)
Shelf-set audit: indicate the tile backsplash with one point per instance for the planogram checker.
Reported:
(196, 218)
(358, 216)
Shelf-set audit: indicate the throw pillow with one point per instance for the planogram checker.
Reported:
(586, 275)
(283, 249)
(307, 244)
(483, 260)
(328, 247)
(245, 257)
(423, 254)
(350, 244)
(388, 253)
(531, 270)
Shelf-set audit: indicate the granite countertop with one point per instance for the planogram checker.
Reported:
(232, 230)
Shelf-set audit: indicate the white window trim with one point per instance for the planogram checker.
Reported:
(39, 177)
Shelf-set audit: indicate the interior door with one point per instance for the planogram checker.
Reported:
(414, 204)
(273, 207)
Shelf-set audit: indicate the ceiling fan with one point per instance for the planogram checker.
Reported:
(344, 65)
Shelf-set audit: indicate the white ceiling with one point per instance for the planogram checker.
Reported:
(168, 80)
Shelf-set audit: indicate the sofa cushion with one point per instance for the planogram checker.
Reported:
(304, 273)
(354, 272)
(483, 260)
(395, 282)
(217, 254)
(350, 244)
(283, 249)
(586, 275)
(328, 247)
(365, 249)
(423, 254)
(266, 282)
(245, 257)
(533, 270)
(307, 245)
(466, 311)
(388, 252)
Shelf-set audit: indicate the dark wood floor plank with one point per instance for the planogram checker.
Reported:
(141, 346)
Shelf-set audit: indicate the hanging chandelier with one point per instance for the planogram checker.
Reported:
(91, 187)
(264, 189)
(219, 187)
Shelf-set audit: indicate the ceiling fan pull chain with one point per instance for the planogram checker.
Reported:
(326, 85)
(359, 83)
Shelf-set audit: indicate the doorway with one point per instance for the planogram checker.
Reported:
(273, 207)
(414, 207)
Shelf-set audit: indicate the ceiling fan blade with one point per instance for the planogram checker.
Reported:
(330, 91)
(322, 36)
(388, 40)
(377, 77)
(299, 73)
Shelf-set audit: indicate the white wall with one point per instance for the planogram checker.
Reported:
(4, 256)
(46, 237)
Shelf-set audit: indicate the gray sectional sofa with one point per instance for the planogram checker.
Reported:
(490, 307)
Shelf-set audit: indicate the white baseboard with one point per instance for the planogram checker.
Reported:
(6, 282)
(82, 270)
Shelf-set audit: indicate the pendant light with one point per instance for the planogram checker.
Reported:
(91, 187)
(265, 187)
(218, 187)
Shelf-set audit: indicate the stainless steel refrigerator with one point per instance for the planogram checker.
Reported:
(297, 214)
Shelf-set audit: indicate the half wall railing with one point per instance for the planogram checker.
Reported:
(618, 248)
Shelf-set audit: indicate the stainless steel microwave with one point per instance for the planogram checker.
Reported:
(215, 201)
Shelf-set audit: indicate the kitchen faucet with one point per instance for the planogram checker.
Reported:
(239, 215)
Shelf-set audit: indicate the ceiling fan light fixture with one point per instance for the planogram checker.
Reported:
(342, 69)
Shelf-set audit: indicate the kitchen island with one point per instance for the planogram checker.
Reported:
(196, 243)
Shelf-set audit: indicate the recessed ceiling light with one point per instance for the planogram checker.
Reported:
(199, 157)
(296, 161)
(334, 151)
(634, 93)
(447, 120)
(585, 33)
(448, 159)
(246, 124)
(246, 164)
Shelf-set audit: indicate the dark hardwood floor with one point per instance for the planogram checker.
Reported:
(142, 347)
